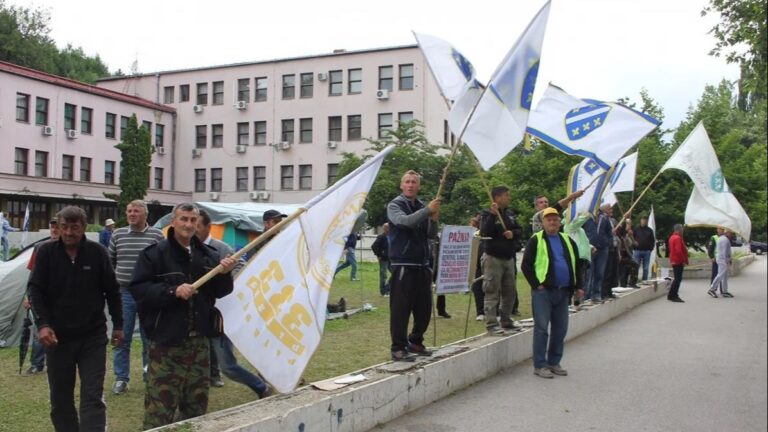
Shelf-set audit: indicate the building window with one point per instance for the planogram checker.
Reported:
(200, 180)
(41, 111)
(109, 172)
(404, 116)
(334, 128)
(286, 134)
(289, 86)
(168, 95)
(259, 178)
(385, 78)
(336, 86)
(69, 116)
(123, 126)
(243, 130)
(202, 93)
(41, 164)
(241, 182)
(109, 125)
(86, 120)
(243, 89)
(385, 125)
(184, 93)
(22, 107)
(260, 133)
(355, 81)
(261, 89)
(158, 178)
(305, 177)
(22, 160)
(406, 77)
(354, 127)
(447, 134)
(333, 171)
(305, 130)
(201, 136)
(147, 125)
(217, 135)
(67, 167)
(159, 135)
(286, 177)
(216, 176)
(85, 169)
(218, 93)
(307, 84)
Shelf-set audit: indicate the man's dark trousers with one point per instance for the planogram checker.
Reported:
(674, 290)
(86, 354)
(411, 292)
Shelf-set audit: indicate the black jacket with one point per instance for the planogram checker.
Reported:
(380, 247)
(160, 269)
(69, 296)
(410, 230)
(528, 266)
(644, 238)
(498, 246)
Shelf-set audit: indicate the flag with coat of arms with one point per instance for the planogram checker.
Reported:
(622, 179)
(588, 176)
(276, 313)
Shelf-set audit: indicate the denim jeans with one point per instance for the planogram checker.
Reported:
(383, 275)
(350, 260)
(643, 258)
(121, 361)
(38, 352)
(597, 271)
(225, 355)
(550, 324)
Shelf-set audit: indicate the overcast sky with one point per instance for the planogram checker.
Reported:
(601, 49)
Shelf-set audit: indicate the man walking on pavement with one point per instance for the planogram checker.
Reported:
(678, 259)
(723, 257)
(549, 266)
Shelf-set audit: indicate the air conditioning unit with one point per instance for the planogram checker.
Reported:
(198, 108)
(196, 153)
(214, 196)
(332, 144)
(322, 76)
(241, 105)
(382, 94)
(71, 134)
(254, 195)
(47, 130)
(160, 150)
(264, 195)
(241, 148)
(285, 145)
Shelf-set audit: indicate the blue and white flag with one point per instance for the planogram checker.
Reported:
(588, 176)
(25, 235)
(500, 112)
(450, 68)
(601, 131)
(622, 180)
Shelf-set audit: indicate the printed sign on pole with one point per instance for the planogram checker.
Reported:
(454, 259)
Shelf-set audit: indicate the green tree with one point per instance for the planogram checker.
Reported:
(136, 154)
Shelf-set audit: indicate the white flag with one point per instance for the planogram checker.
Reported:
(498, 122)
(589, 176)
(622, 180)
(602, 131)
(25, 235)
(450, 68)
(711, 202)
(276, 313)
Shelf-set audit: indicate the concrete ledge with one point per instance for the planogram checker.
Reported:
(387, 395)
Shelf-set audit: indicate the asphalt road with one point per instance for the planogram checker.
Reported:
(693, 366)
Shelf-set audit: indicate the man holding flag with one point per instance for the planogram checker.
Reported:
(5, 228)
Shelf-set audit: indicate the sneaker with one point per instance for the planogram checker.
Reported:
(515, 312)
(557, 370)
(497, 331)
(402, 356)
(480, 317)
(635, 286)
(543, 372)
(713, 294)
(385, 295)
(267, 393)
(342, 305)
(120, 387)
(675, 299)
(511, 328)
(418, 349)
(216, 381)
(444, 315)
(354, 279)
(33, 370)
(727, 295)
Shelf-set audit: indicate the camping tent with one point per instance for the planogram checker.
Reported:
(13, 286)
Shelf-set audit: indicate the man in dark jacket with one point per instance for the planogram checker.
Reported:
(178, 318)
(380, 248)
(70, 282)
(646, 240)
(549, 266)
(498, 224)
(411, 226)
(600, 234)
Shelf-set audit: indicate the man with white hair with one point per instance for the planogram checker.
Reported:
(723, 257)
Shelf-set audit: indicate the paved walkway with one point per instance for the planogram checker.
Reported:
(694, 366)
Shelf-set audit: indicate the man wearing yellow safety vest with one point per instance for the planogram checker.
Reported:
(549, 266)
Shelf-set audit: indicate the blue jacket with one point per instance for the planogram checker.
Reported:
(409, 232)
(600, 233)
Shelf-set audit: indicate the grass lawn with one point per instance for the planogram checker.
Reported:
(347, 345)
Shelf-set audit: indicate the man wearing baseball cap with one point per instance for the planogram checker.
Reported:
(106, 234)
(271, 218)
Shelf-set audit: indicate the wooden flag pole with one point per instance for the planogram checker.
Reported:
(643, 193)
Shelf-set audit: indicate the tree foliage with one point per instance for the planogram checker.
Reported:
(25, 40)
(136, 154)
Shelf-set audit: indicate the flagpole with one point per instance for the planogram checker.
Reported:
(643, 193)
(255, 242)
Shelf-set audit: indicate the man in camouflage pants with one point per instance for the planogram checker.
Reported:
(177, 318)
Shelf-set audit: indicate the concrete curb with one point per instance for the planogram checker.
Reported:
(387, 395)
